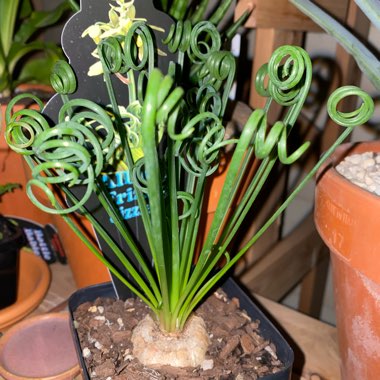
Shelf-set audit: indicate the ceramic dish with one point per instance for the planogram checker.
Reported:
(39, 348)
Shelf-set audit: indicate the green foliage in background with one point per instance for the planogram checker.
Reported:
(19, 27)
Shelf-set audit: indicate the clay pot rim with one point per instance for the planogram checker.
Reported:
(68, 374)
(329, 168)
(23, 307)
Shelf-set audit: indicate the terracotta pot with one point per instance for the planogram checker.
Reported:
(86, 268)
(39, 348)
(213, 191)
(347, 218)
(34, 280)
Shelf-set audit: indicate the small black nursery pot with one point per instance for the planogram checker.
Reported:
(11, 241)
(230, 287)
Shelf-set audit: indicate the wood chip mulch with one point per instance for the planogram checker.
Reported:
(237, 350)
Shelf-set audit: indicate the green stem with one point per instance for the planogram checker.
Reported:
(8, 11)
(199, 12)
(192, 231)
(131, 87)
(220, 12)
(178, 9)
(233, 29)
(247, 201)
(154, 180)
(74, 5)
(175, 248)
(117, 251)
(209, 285)
(109, 206)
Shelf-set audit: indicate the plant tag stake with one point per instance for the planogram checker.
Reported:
(79, 49)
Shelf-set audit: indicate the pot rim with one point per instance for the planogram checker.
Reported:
(344, 150)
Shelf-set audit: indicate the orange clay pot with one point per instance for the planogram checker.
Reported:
(86, 268)
(34, 281)
(39, 348)
(347, 219)
(213, 191)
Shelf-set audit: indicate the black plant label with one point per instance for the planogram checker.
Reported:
(79, 50)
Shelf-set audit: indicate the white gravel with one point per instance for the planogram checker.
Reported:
(362, 170)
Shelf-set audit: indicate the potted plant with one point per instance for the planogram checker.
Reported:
(169, 135)
(11, 241)
(346, 208)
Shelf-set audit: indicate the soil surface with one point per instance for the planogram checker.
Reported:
(237, 349)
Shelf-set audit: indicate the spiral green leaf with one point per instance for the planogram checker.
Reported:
(63, 79)
(354, 118)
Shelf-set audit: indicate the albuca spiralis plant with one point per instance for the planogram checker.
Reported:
(177, 120)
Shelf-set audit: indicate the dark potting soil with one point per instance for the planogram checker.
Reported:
(237, 350)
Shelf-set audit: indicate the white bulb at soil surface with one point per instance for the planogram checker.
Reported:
(152, 347)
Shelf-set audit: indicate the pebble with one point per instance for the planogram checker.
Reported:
(207, 364)
(363, 170)
(93, 309)
(86, 353)
(271, 351)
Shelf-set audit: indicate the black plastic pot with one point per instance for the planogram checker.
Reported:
(11, 240)
(284, 352)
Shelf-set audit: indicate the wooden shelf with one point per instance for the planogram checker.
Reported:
(282, 15)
